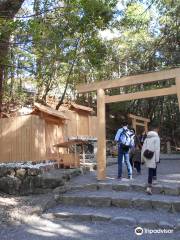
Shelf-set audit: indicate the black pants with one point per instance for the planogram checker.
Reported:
(137, 165)
(151, 175)
(131, 161)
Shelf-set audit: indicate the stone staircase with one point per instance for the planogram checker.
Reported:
(124, 203)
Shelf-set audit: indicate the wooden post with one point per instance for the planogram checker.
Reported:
(168, 145)
(101, 151)
(146, 127)
(77, 124)
(89, 125)
(178, 89)
(83, 154)
(134, 124)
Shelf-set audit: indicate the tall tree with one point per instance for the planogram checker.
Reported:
(8, 10)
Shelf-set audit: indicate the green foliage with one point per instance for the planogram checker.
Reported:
(58, 47)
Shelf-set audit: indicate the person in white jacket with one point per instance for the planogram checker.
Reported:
(151, 143)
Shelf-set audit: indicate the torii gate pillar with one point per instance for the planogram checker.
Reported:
(101, 132)
(178, 89)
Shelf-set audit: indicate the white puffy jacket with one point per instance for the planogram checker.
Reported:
(152, 143)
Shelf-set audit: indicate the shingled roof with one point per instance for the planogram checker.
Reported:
(49, 111)
(80, 107)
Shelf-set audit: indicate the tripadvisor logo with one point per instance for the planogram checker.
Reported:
(138, 231)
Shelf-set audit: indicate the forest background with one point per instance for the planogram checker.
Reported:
(47, 47)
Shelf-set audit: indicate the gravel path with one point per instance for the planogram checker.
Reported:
(13, 208)
(168, 172)
(38, 228)
(115, 212)
(69, 230)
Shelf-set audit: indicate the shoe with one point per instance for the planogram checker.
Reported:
(155, 182)
(149, 191)
(119, 178)
(130, 177)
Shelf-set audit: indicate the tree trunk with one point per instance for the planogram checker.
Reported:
(68, 77)
(8, 9)
(1, 86)
(65, 89)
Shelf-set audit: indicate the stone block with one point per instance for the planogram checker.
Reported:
(166, 225)
(75, 172)
(176, 206)
(92, 186)
(173, 190)
(37, 181)
(104, 186)
(129, 221)
(120, 202)
(33, 171)
(67, 177)
(162, 204)
(41, 190)
(3, 171)
(61, 189)
(72, 200)
(20, 173)
(11, 172)
(147, 223)
(121, 187)
(98, 201)
(142, 203)
(138, 187)
(82, 217)
(50, 203)
(158, 189)
(51, 182)
(63, 215)
(177, 227)
(178, 220)
(10, 185)
(58, 198)
(101, 217)
(74, 216)
(27, 186)
(77, 187)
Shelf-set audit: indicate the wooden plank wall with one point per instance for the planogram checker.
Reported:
(80, 124)
(83, 126)
(38, 138)
(93, 126)
(71, 124)
(31, 138)
(53, 135)
(22, 139)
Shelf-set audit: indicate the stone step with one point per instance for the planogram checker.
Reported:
(129, 217)
(171, 157)
(106, 198)
(165, 189)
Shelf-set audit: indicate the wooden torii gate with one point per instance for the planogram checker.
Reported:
(102, 99)
(139, 121)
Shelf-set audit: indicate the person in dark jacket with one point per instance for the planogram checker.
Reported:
(142, 137)
(135, 153)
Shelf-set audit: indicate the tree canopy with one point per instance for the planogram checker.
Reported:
(54, 45)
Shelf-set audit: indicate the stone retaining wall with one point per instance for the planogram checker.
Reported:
(25, 181)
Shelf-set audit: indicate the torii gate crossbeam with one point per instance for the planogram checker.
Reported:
(102, 99)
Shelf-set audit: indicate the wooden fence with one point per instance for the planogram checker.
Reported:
(31, 138)
(80, 124)
(22, 139)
